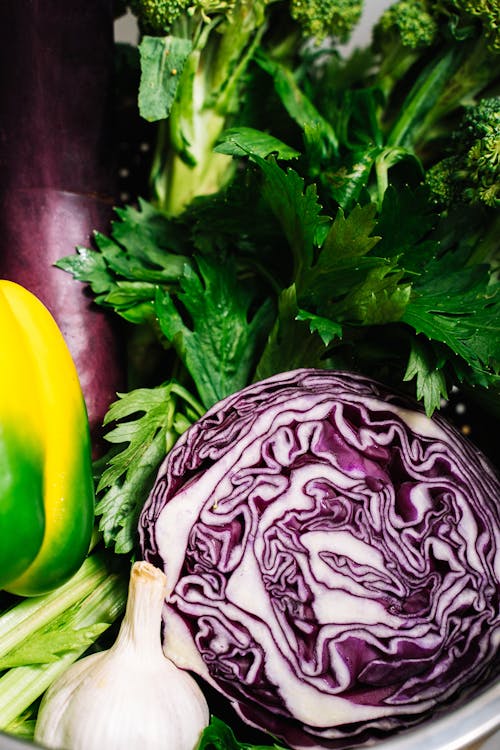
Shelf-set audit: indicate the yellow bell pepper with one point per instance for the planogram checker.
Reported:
(46, 482)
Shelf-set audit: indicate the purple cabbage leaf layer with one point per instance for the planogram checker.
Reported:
(333, 558)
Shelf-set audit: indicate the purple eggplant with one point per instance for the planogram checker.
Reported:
(57, 171)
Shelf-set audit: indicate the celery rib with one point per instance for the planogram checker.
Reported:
(103, 602)
(29, 615)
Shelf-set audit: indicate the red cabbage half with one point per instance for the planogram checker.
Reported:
(333, 558)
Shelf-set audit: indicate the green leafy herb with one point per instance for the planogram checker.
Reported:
(298, 105)
(219, 736)
(148, 422)
(242, 141)
(296, 208)
(426, 366)
(460, 308)
(342, 261)
(145, 249)
(220, 342)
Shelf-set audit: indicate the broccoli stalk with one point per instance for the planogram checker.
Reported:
(185, 164)
(219, 38)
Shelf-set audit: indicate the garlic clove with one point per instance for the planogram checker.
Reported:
(131, 695)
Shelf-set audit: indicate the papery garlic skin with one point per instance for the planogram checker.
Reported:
(130, 696)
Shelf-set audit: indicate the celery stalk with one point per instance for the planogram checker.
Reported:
(102, 604)
(17, 623)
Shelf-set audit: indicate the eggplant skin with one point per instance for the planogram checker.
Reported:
(92, 339)
(57, 170)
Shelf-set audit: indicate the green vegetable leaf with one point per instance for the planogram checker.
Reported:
(89, 266)
(148, 421)
(220, 343)
(290, 343)
(296, 208)
(219, 736)
(162, 62)
(382, 297)
(349, 284)
(460, 307)
(150, 237)
(348, 180)
(358, 118)
(417, 111)
(351, 236)
(342, 260)
(405, 220)
(297, 104)
(132, 300)
(52, 643)
(244, 141)
(425, 364)
(145, 249)
(327, 329)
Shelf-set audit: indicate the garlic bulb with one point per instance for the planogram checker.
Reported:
(130, 696)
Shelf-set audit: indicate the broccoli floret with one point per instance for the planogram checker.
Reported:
(157, 16)
(412, 22)
(417, 24)
(402, 33)
(322, 18)
(487, 12)
(420, 22)
(482, 120)
(471, 174)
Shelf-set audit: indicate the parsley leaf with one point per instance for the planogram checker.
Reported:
(347, 282)
(326, 328)
(219, 338)
(219, 736)
(145, 249)
(341, 260)
(148, 421)
(460, 307)
(90, 266)
(296, 208)
(425, 364)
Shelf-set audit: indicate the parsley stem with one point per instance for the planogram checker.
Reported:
(183, 393)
